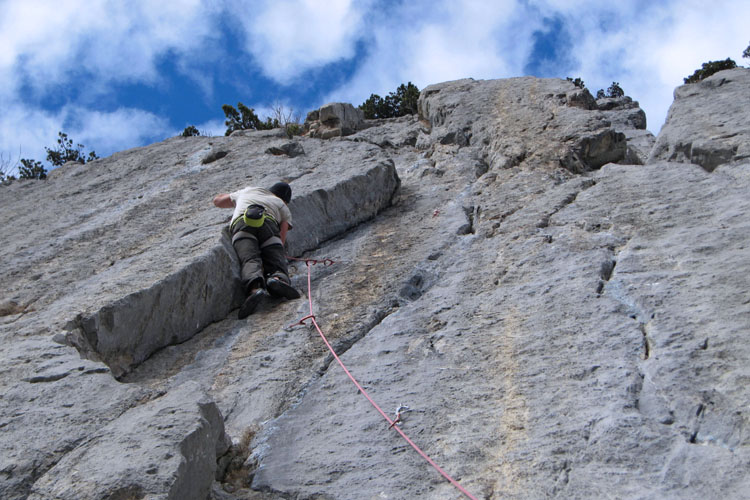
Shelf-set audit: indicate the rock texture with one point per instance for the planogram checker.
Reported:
(560, 319)
(335, 119)
(708, 123)
(166, 448)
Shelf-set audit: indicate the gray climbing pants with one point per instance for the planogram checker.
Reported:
(260, 252)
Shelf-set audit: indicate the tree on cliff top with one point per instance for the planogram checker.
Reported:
(613, 90)
(399, 103)
(31, 169)
(709, 68)
(245, 119)
(65, 152)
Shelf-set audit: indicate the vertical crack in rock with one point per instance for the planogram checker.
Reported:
(644, 327)
(343, 345)
(569, 199)
(472, 216)
(605, 273)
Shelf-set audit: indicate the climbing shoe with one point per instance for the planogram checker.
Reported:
(251, 302)
(278, 288)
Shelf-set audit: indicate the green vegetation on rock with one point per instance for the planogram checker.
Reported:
(245, 119)
(399, 103)
(709, 68)
(613, 90)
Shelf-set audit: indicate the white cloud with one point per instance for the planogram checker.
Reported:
(289, 37)
(51, 46)
(431, 42)
(26, 132)
(649, 47)
(117, 130)
(211, 128)
(47, 43)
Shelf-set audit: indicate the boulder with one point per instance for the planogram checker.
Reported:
(163, 449)
(291, 149)
(524, 121)
(707, 123)
(334, 120)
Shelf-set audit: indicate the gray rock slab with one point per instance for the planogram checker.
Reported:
(50, 401)
(153, 253)
(139, 260)
(708, 122)
(342, 116)
(392, 132)
(557, 359)
(163, 449)
(527, 121)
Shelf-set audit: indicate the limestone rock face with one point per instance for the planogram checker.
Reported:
(708, 123)
(627, 117)
(556, 315)
(165, 448)
(140, 260)
(334, 120)
(523, 121)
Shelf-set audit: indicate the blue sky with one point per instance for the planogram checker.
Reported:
(116, 75)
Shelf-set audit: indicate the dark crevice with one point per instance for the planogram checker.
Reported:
(213, 156)
(701, 409)
(607, 269)
(472, 215)
(46, 378)
(646, 343)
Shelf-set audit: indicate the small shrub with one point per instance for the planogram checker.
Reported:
(293, 129)
(65, 152)
(31, 169)
(7, 169)
(190, 131)
(577, 82)
(709, 68)
(287, 119)
(613, 90)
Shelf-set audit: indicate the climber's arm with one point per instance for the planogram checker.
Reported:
(283, 229)
(223, 201)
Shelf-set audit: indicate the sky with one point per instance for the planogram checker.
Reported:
(120, 74)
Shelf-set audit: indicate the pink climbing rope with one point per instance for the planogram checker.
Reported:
(391, 423)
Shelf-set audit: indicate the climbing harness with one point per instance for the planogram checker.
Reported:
(392, 423)
(254, 216)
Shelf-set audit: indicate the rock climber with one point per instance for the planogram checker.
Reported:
(259, 227)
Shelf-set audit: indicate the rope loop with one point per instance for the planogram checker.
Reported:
(302, 321)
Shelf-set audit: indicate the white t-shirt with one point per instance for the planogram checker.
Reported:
(260, 196)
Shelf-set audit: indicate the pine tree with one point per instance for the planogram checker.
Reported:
(399, 103)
